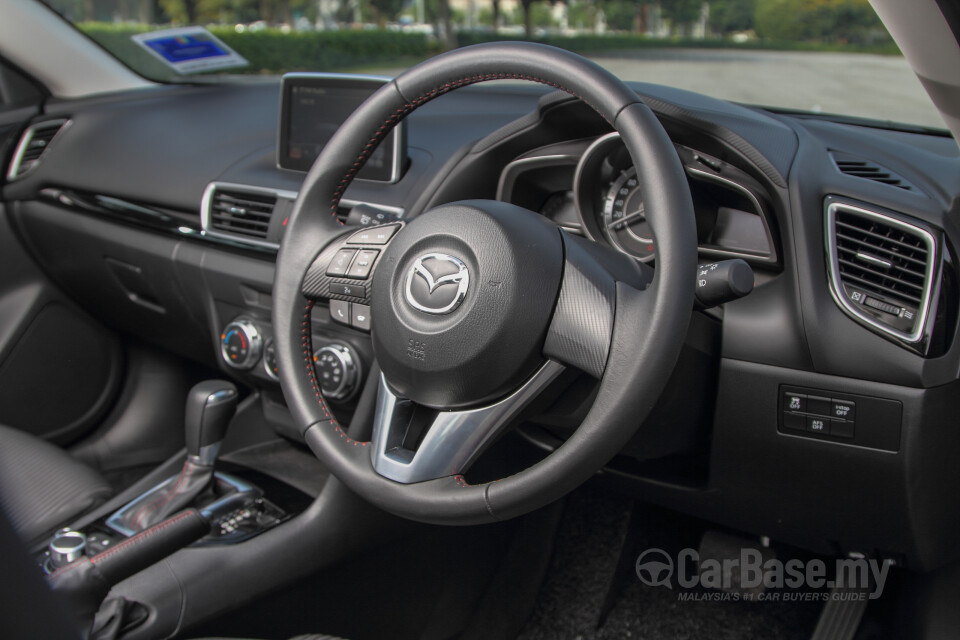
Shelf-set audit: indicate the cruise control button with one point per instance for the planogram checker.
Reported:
(818, 425)
(341, 262)
(844, 410)
(340, 311)
(794, 402)
(819, 406)
(376, 235)
(360, 318)
(363, 263)
(352, 290)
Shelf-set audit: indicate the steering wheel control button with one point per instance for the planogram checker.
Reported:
(240, 344)
(437, 283)
(336, 369)
(374, 235)
(362, 264)
(270, 363)
(341, 262)
(794, 402)
(844, 410)
(360, 317)
(818, 425)
(340, 311)
(351, 290)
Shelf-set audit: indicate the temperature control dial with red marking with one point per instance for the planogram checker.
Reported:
(240, 344)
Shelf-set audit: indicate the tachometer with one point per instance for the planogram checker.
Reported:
(624, 219)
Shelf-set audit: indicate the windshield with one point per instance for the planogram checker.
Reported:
(818, 56)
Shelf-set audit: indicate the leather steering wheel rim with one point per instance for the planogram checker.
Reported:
(648, 329)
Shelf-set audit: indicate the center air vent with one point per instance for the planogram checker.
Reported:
(882, 269)
(241, 213)
(860, 168)
(32, 146)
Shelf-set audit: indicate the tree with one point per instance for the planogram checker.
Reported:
(728, 16)
(385, 10)
(681, 12)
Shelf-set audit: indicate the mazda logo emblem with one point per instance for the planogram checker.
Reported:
(437, 283)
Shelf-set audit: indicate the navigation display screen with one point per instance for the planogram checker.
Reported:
(313, 106)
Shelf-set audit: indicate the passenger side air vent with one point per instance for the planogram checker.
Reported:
(860, 168)
(32, 146)
(882, 269)
(242, 213)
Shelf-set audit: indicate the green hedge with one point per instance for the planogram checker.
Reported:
(623, 41)
(272, 51)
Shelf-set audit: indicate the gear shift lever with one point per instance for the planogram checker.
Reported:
(210, 406)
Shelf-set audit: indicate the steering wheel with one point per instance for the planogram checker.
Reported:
(476, 306)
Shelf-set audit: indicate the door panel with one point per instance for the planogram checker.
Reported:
(59, 368)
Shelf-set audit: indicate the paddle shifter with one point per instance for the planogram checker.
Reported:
(210, 406)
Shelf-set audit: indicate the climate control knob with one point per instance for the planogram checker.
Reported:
(241, 344)
(337, 371)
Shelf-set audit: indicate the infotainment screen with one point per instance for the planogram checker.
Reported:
(314, 105)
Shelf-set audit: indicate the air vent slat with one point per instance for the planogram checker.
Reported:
(881, 269)
(33, 144)
(868, 170)
(888, 281)
(901, 240)
(241, 213)
(882, 251)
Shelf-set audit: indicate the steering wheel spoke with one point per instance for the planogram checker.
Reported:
(581, 329)
(414, 443)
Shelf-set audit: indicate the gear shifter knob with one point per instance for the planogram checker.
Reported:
(210, 406)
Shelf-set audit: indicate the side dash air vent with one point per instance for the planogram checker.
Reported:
(240, 213)
(860, 168)
(34, 142)
(882, 269)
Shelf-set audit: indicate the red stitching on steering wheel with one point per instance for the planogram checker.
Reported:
(400, 114)
(364, 155)
(306, 341)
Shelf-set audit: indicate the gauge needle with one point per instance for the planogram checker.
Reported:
(636, 214)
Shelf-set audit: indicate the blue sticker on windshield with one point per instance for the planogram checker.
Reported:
(190, 50)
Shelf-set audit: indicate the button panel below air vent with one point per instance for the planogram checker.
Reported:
(882, 269)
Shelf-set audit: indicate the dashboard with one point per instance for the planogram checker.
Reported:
(819, 409)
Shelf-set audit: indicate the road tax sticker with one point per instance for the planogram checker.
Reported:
(189, 50)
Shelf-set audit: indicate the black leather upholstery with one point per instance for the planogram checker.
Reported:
(42, 487)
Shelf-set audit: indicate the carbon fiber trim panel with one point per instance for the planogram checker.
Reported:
(582, 323)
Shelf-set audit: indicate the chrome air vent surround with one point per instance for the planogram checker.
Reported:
(241, 213)
(33, 145)
(883, 270)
